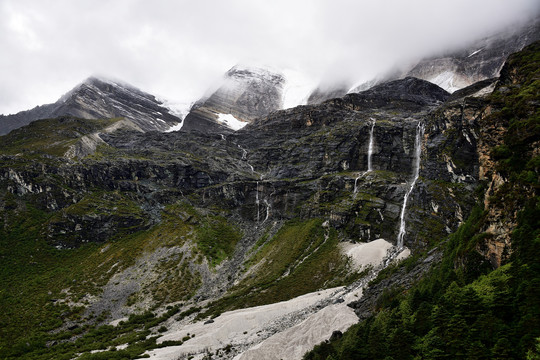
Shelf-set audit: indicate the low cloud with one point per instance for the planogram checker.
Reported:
(177, 49)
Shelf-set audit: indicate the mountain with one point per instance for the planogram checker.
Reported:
(100, 99)
(245, 94)
(323, 93)
(480, 60)
(456, 69)
(403, 212)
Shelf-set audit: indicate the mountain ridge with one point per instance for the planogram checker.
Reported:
(97, 98)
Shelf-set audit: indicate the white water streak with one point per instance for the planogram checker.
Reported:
(370, 153)
(268, 207)
(257, 201)
(416, 171)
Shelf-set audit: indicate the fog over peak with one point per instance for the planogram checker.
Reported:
(177, 49)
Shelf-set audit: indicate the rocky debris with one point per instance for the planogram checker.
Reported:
(246, 93)
(100, 99)
(283, 330)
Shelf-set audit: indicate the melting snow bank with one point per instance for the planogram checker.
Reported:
(367, 254)
(231, 122)
(284, 330)
(176, 127)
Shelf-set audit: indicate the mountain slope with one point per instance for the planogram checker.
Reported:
(157, 234)
(454, 70)
(246, 93)
(480, 60)
(100, 99)
(481, 300)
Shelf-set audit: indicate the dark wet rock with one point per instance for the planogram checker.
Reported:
(301, 162)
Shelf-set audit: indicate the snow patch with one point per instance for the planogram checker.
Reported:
(294, 342)
(475, 52)
(284, 330)
(179, 109)
(231, 122)
(366, 254)
(176, 127)
(233, 327)
(297, 88)
(446, 80)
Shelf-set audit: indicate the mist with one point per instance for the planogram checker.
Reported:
(178, 49)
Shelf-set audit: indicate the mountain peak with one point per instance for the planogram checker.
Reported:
(100, 98)
(247, 92)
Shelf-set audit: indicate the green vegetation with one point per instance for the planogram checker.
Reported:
(38, 281)
(302, 257)
(217, 239)
(50, 136)
(464, 308)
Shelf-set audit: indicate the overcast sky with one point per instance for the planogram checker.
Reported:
(177, 49)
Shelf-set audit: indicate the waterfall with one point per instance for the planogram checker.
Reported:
(370, 146)
(416, 171)
(244, 157)
(268, 207)
(244, 152)
(257, 201)
(370, 152)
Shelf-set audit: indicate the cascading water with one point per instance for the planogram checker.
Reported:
(268, 207)
(416, 171)
(257, 201)
(370, 152)
(370, 146)
(244, 152)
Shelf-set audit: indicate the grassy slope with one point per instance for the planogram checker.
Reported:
(49, 136)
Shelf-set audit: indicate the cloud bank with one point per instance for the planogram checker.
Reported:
(177, 49)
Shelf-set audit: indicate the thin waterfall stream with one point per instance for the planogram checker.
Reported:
(416, 171)
(370, 152)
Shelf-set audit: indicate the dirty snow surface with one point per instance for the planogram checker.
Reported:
(285, 330)
(231, 122)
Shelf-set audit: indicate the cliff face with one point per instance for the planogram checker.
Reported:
(306, 162)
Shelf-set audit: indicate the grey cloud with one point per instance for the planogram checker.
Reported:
(177, 49)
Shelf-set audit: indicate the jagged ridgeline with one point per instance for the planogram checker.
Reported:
(112, 236)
